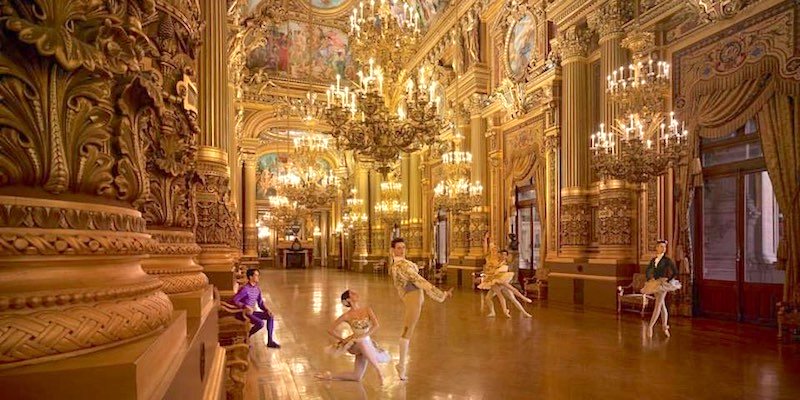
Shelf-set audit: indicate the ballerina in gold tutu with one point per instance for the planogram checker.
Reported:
(497, 278)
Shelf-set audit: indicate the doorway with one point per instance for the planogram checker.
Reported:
(737, 227)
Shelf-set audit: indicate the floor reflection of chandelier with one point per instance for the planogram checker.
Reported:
(391, 209)
(305, 181)
(456, 193)
(643, 144)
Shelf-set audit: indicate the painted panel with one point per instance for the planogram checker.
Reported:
(520, 49)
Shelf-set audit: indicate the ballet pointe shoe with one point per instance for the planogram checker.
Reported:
(666, 330)
(507, 313)
(649, 331)
(491, 314)
(401, 372)
(526, 314)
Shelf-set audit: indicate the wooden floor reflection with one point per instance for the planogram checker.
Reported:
(561, 353)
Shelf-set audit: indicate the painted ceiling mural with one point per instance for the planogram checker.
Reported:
(299, 50)
(312, 47)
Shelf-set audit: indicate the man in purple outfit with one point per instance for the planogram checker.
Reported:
(248, 296)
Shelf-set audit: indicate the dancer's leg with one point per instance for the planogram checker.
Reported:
(516, 292)
(665, 315)
(516, 303)
(656, 311)
(257, 320)
(503, 306)
(356, 375)
(369, 352)
(413, 301)
(489, 298)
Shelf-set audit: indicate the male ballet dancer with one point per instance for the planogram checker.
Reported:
(410, 285)
(248, 296)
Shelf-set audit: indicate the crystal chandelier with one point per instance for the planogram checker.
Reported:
(391, 209)
(643, 144)
(354, 216)
(386, 30)
(384, 116)
(282, 212)
(456, 193)
(305, 181)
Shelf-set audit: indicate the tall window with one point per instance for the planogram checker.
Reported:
(528, 227)
(737, 228)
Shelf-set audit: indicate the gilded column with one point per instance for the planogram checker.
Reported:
(218, 230)
(575, 212)
(617, 204)
(607, 21)
(377, 233)
(248, 149)
(426, 199)
(170, 210)
(362, 233)
(75, 171)
(459, 222)
(479, 217)
(414, 230)
(496, 190)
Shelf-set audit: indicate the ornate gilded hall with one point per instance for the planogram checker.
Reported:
(251, 199)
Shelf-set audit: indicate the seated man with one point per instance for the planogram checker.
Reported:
(246, 299)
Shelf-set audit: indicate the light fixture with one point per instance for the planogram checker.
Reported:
(456, 192)
(644, 143)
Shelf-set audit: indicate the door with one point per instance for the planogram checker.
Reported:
(739, 233)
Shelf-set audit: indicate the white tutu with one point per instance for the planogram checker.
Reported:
(343, 347)
(659, 285)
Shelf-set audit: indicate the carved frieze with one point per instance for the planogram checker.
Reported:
(609, 18)
(576, 221)
(614, 215)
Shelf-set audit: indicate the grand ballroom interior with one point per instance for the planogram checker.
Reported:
(155, 154)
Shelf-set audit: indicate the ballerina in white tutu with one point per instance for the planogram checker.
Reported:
(497, 278)
(661, 274)
(363, 323)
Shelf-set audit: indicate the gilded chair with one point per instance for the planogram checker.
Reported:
(630, 298)
(535, 287)
(788, 320)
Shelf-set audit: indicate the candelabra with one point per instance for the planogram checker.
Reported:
(391, 209)
(643, 144)
(456, 193)
(282, 212)
(305, 181)
(382, 118)
(387, 30)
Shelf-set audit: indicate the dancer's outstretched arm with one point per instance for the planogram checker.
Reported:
(404, 271)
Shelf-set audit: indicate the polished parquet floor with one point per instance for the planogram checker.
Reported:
(561, 353)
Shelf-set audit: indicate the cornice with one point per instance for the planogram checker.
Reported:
(565, 13)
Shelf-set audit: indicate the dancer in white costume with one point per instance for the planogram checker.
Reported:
(661, 273)
(410, 286)
(497, 280)
(363, 323)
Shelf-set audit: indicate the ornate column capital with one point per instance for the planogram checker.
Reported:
(571, 43)
(248, 148)
(609, 18)
(476, 104)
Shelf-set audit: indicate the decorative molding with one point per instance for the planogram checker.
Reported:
(571, 43)
(576, 221)
(608, 19)
(615, 219)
